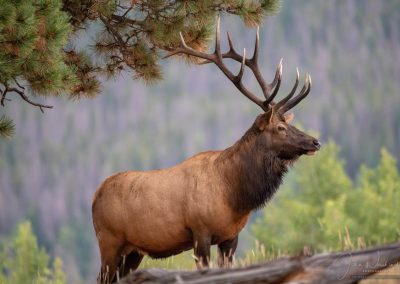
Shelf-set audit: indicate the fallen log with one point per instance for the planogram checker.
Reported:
(337, 267)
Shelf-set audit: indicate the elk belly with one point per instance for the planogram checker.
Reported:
(155, 224)
(157, 236)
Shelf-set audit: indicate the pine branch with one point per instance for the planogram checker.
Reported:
(113, 32)
(3, 97)
(22, 95)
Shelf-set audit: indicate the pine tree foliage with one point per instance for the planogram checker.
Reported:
(6, 127)
(32, 36)
(132, 36)
(376, 201)
(25, 262)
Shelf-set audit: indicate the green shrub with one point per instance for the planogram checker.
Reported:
(320, 207)
(23, 261)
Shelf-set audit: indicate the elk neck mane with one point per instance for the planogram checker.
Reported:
(252, 171)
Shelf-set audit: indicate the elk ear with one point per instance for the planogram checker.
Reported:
(289, 117)
(264, 119)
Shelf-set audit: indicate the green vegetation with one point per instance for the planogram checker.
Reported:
(320, 207)
(32, 35)
(23, 261)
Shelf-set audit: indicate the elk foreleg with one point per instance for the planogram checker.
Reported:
(201, 245)
(226, 251)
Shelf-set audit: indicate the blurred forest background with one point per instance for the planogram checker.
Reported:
(347, 195)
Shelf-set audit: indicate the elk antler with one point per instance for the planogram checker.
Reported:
(269, 90)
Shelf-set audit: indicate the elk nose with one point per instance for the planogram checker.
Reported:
(316, 144)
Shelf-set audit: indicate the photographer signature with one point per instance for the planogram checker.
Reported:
(356, 269)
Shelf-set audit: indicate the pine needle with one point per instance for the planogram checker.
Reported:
(7, 127)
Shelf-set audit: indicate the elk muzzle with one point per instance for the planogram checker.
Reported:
(313, 147)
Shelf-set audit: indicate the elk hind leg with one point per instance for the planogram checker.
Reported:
(130, 262)
(110, 253)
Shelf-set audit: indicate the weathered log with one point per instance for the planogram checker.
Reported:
(337, 267)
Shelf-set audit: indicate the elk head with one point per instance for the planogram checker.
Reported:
(282, 138)
(274, 131)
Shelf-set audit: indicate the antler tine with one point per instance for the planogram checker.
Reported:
(230, 42)
(241, 71)
(278, 73)
(217, 40)
(183, 40)
(185, 49)
(303, 93)
(255, 54)
(276, 82)
(253, 65)
(290, 95)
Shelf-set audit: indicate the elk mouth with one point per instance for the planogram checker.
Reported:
(294, 154)
(311, 153)
(316, 145)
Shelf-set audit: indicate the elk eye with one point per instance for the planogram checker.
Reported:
(281, 128)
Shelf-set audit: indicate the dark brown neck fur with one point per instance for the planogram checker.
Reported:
(252, 170)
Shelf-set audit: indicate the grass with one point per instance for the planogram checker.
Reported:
(255, 255)
(185, 261)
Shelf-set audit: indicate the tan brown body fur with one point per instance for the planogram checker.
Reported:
(158, 211)
(164, 212)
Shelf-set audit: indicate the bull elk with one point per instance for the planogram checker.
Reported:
(207, 199)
